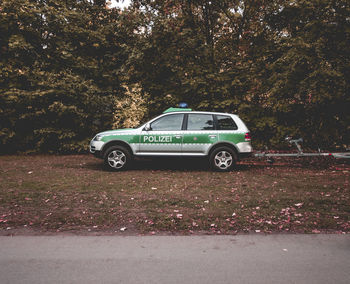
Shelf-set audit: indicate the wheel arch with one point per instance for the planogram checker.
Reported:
(116, 143)
(222, 144)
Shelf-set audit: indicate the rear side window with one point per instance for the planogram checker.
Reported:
(200, 122)
(226, 122)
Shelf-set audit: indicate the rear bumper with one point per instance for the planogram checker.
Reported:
(245, 150)
(244, 147)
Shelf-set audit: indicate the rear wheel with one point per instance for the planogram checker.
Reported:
(117, 158)
(223, 159)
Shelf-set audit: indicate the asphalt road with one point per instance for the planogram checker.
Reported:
(176, 259)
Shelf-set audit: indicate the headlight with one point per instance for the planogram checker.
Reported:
(98, 138)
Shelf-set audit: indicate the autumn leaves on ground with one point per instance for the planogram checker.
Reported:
(74, 194)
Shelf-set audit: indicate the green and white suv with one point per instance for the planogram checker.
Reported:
(222, 137)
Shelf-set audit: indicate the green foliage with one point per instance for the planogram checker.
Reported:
(131, 110)
(60, 74)
(309, 81)
(69, 69)
(281, 65)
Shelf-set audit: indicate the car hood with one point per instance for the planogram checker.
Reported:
(118, 131)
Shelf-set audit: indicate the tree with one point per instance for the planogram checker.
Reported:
(309, 81)
(66, 67)
(60, 75)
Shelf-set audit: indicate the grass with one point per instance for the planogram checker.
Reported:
(40, 194)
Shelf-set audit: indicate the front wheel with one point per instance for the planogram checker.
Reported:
(117, 158)
(223, 159)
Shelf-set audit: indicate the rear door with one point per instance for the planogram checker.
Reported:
(199, 135)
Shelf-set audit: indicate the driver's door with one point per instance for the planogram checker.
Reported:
(164, 136)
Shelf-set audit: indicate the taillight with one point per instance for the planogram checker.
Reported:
(247, 137)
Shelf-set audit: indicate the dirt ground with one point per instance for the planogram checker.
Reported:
(74, 194)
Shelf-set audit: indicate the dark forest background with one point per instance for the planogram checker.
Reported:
(72, 68)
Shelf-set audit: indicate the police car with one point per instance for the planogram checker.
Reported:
(221, 137)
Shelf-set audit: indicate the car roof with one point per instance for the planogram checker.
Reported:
(199, 112)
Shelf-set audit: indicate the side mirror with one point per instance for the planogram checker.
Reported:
(147, 127)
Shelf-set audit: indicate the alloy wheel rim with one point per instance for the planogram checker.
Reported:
(223, 160)
(116, 159)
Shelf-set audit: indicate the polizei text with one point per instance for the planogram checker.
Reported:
(157, 139)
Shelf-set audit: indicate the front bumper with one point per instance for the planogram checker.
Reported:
(96, 148)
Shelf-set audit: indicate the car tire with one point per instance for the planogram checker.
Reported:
(223, 159)
(117, 158)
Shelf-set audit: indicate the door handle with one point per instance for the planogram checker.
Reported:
(212, 136)
(178, 136)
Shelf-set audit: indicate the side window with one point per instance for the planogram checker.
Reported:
(226, 123)
(170, 122)
(200, 122)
